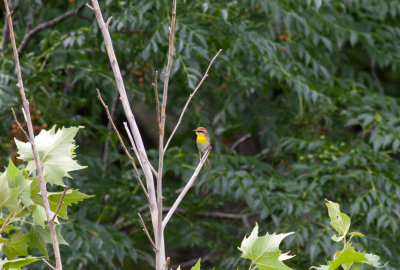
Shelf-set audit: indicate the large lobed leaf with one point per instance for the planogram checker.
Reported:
(56, 152)
(264, 251)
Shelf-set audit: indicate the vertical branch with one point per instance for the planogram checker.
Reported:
(39, 168)
(127, 109)
(160, 258)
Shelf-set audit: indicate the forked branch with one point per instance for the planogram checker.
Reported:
(186, 188)
(189, 99)
(123, 144)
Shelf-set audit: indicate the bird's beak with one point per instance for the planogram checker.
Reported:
(195, 130)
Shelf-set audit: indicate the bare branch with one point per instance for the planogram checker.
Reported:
(123, 145)
(89, 6)
(52, 267)
(147, 160)
(39, 168)
(133, 144)
(19, 125)
(240, 140)
(147, 232)
(43, 26)
(107, 143)
(189, 99)
(60, 204)
(109, 21)
(127, 109)
(187, 187)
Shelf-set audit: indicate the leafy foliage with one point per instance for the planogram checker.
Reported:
(21, 205)
(348, 257)
(313, 83)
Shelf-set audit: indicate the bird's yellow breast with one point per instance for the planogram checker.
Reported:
(201, 138)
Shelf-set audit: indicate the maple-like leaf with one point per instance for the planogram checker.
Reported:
(8, 196)
(56, 152)
(71, 196)
(19, 182)
(264, 251)
(39, 237)
(17, 245)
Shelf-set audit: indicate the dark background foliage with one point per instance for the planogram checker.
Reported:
(312, 85)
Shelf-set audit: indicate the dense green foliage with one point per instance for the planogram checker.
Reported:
(314, 83)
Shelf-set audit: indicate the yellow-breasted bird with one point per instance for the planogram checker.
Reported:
(203, 142)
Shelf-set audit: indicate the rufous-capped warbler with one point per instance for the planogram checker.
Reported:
(203, 142)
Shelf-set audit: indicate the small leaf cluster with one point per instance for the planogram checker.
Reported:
(347, 258)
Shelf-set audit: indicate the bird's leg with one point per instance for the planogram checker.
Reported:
(200, 155)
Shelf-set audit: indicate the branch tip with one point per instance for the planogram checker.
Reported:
(89, 6)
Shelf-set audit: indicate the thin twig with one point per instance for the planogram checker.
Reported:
(19, 125)
(60, 204)
(147, 160)
(39, 168)
(240, 140)
(43, 26)
(187, 187)
(89, 6)
(189, 99)
(147, 232)
(107, 143)
(157, 101)
(123, 145)
(52, 267)
(134, 148)
(109, 21)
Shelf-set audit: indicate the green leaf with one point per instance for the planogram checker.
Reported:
(348, 255)
(8, 196)
(14, 176)
(197, 265)
(264, 251)
(71, 196)
(39, 237)
(38, 214)
(17, 245)
(339, 221)
(17, 263)
(373, 260)
(356, 234)
(56, 151)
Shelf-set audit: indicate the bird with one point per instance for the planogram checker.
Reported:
(203, 142)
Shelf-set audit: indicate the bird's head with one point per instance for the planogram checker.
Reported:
(201, 131)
